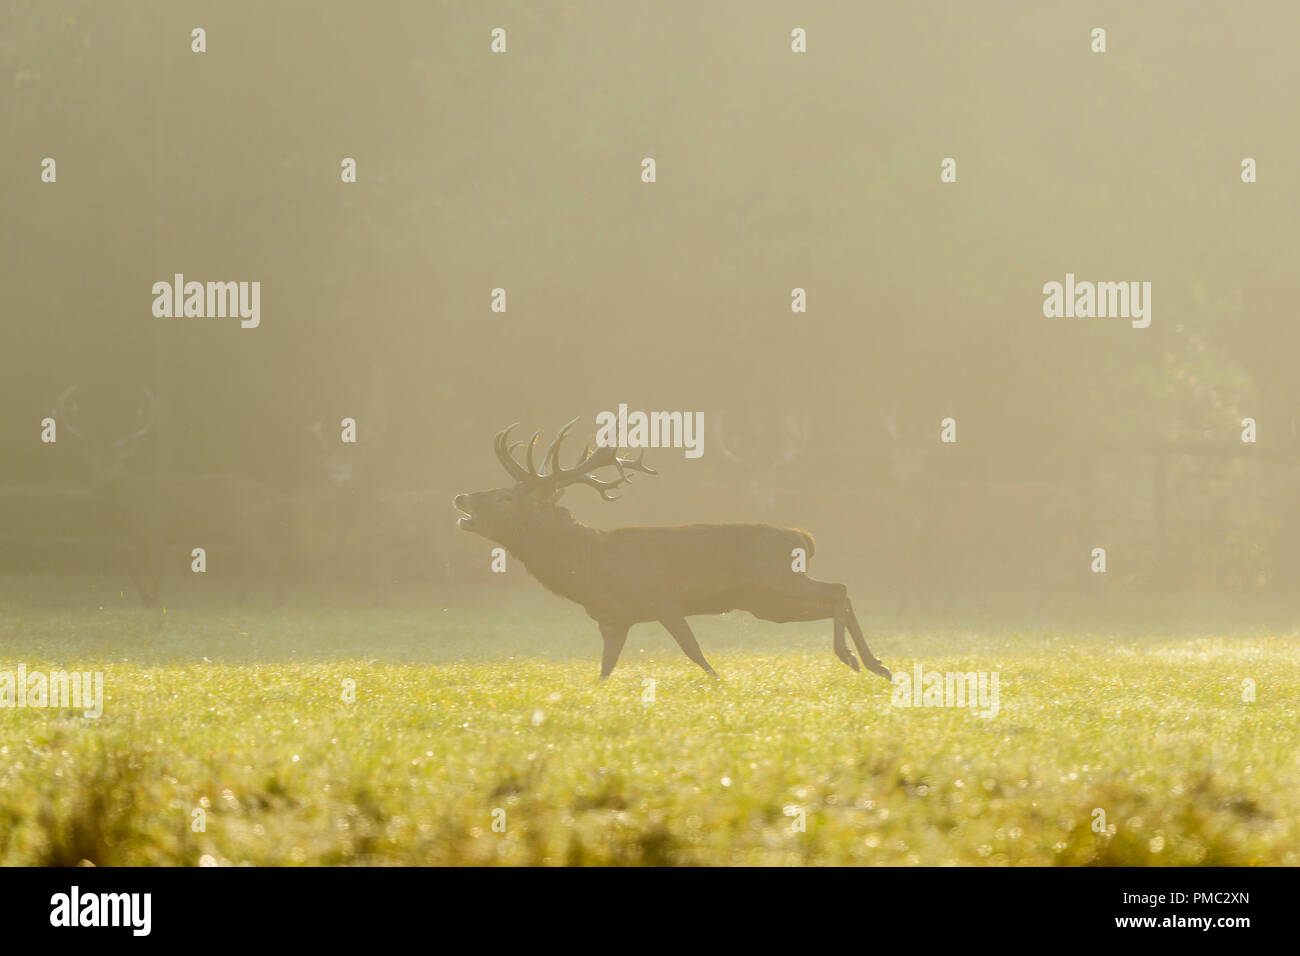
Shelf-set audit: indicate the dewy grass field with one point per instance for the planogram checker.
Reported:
(465, 717)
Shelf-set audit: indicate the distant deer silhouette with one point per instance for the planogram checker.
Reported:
(629, 575)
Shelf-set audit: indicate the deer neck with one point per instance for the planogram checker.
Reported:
(557, 550)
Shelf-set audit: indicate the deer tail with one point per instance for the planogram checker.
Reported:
(808, 541)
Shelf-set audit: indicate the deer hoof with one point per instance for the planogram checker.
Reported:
(848, 658)
(878, 668)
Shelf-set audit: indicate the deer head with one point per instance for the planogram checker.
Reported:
(107, 455)
(505, 514)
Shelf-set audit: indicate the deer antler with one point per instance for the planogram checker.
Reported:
(552, 475)
(516, 471)
(594, 459)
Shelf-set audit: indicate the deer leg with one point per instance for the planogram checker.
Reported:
(872, 662)
(835, 598)
(839, 608)
(810, 600)
(681, 632)
(615, 636)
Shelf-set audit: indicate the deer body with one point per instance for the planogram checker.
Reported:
(631, 575)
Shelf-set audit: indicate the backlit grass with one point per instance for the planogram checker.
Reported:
(463, 713)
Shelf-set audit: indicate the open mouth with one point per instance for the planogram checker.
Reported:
(464, 519)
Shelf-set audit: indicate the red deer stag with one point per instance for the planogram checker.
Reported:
(631, 575)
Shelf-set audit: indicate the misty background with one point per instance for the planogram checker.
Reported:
(775, 171)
